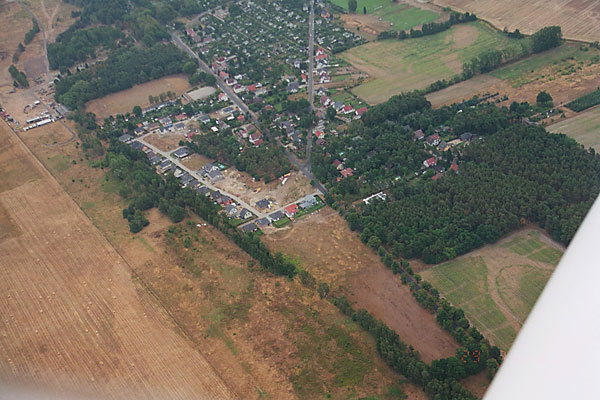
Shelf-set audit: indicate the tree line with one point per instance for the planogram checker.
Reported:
(35, 29)
(20, 79)
(584, 102)
(430, 28)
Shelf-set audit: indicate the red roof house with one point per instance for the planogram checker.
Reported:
(454, 167)
(291, 210)
(347, 172)
(430, 162)
(319, 134)
(338, 164)
(348, 109)
(361, 111)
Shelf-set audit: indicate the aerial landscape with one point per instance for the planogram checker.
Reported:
(286, 199)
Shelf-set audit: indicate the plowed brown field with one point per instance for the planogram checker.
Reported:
(72, 316)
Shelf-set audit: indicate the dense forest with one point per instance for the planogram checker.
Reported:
(75, 46)
(513, 174)
(265, 162)
(124, 68)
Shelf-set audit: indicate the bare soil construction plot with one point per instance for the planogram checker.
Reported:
(497, 285)
(323, 244)
(578, 19)
(267, 337)
(124, 101)
(165, 142)
(72, 316)
(242, 185)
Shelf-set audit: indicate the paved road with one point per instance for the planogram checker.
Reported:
(305, 169)
(311, 44)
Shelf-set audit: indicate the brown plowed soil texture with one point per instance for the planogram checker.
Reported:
(579, 19)
(323, 244)
(72, 316)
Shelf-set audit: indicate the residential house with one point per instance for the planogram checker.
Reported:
(256, 138)
(348, 109)
(231, 210)
(308, 201)
(338, 165)
(419, 134)
(262, 204)
(264, 221)
(251, 227)
(454, 167)
(433, 140)
(293, 87)
(276, 216)
(215, 176)
(361, 111)
(291, 210)
(125, 138)
(337, 106)
(430, 162)
(181, 152)
(245, 213)
(347, 172)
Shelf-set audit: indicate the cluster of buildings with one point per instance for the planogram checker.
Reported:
(437, 146)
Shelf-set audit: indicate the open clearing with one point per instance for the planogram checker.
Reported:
(584, 127)
(323, 244)
(124, 101)
(266, 336)
(398, 66)
(72, 316)
(498, 284)
(579, 20)
(242, 185)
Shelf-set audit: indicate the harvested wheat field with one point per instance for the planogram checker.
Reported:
(579, 19)
(266, 336)
(323, 244)
(123, 102)
(72, 316)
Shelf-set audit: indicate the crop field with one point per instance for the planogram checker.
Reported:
(73, 318)
(267, 337)
(584, 127)
(323, 244)
(579, 20)
(497, 285)
(122, 102)
(399, 16)
(402, 65)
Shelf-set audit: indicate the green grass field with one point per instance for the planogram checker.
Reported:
(498, 288)
(534, 249)
(400, 16)
(398, 66)
(520, 286)
(465, 283)
(585, 128)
